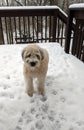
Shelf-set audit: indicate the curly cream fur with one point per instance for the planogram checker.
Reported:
(34, 53)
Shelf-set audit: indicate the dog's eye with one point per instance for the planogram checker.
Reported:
(29, 55)
(38, 56)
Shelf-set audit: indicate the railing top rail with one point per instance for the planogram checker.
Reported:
(79, 6)
(77, 11)
(28, 7)
(30, 11)
(26, 11)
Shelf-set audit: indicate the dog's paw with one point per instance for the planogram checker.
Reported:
(29, 92)
(41, 90)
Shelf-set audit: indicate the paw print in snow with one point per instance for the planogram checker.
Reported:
(39, 124)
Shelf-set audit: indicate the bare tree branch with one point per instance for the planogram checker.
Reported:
(19, 3)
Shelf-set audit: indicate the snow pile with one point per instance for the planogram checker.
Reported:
(62, 108)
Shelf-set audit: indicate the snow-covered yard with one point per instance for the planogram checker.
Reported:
(62, 107)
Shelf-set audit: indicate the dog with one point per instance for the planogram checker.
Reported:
(35, 66)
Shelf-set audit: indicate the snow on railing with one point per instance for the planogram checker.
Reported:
(79, 5)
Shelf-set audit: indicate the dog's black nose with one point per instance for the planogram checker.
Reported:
(33, 63)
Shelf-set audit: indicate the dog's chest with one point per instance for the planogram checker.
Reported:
(35, 73)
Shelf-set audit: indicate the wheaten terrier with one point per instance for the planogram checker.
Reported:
(35, 66)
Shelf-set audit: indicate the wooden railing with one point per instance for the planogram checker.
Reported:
(76, 46)
(32, 24)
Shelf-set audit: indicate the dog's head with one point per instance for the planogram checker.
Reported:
(32, 56)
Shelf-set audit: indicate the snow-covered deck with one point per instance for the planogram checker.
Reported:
(62, 107)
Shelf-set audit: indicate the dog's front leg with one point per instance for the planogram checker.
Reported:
(41, 82)
(29, 86)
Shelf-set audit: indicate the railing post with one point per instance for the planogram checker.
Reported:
(1, 33)
(54, 25)
(68, 32)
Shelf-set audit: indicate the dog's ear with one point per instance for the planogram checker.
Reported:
(42, 55)
(23, 53)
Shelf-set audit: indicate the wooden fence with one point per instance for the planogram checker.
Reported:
(32, 24)
(76, 46)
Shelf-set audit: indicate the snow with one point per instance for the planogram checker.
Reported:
(62, 107)
(79, 5)
(27, 7)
